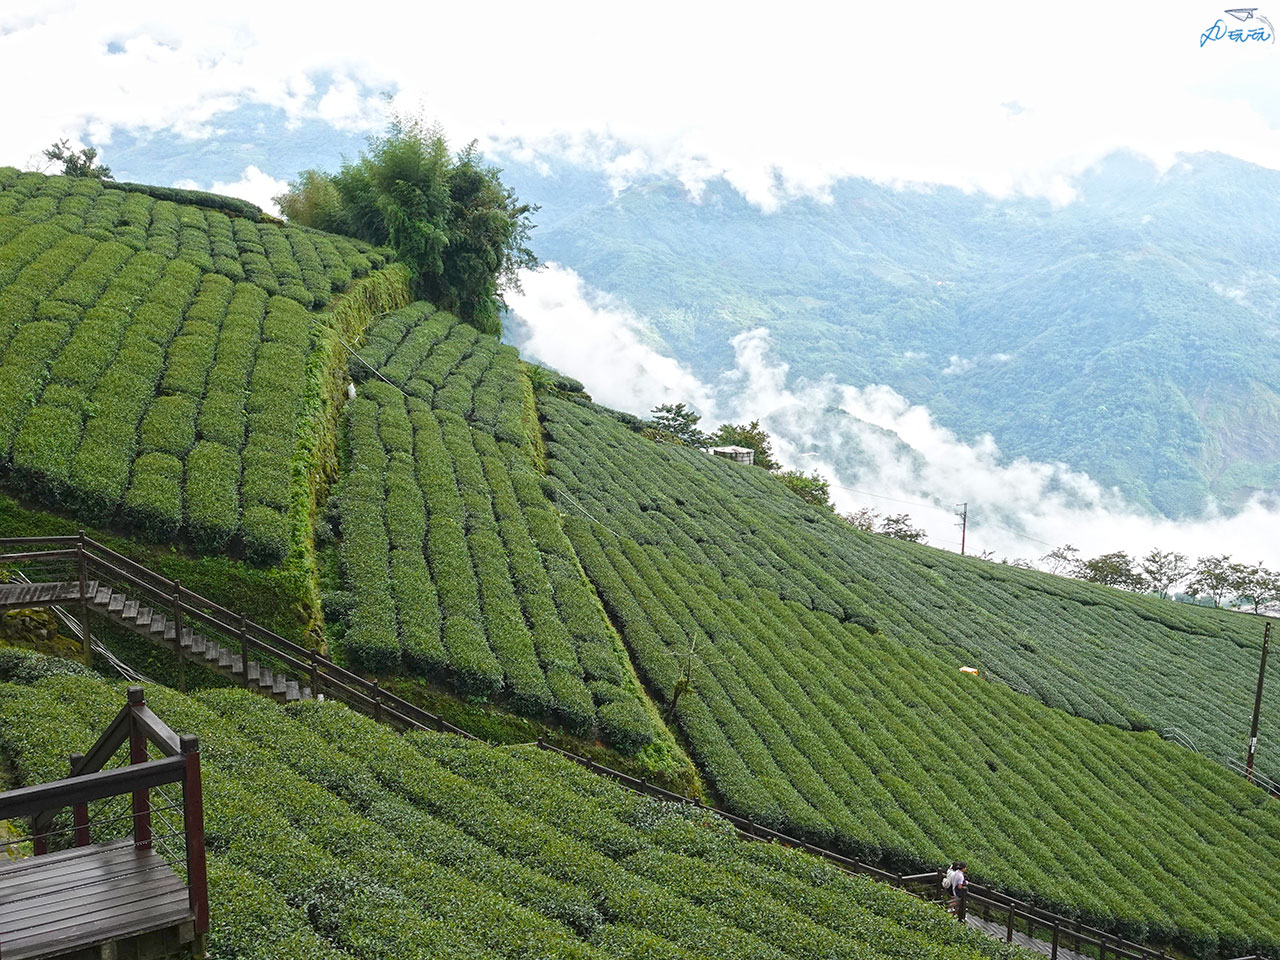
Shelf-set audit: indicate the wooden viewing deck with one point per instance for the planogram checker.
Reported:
(85, 897)
(116, 899)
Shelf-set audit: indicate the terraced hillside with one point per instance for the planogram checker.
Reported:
(823, 700)
(825, 696)
(332, 837)
(173, 371)
(456, 566)
(162, 366)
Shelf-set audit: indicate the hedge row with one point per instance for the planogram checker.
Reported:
(485, 588)
(216, 234)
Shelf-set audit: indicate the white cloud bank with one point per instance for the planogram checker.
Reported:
(885, 446)
(778, 101)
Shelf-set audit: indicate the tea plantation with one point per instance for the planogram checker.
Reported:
(332, 837)
(455, 563)
(161, 368)
(264, 406)
(825, 700)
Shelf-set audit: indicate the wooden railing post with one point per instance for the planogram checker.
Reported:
(177, 635)
(80, 811)
(193, 826)
(1008, 935)
(138, 754)
(315, 675)
(1057, 932)
(85, 643)
(377, 701)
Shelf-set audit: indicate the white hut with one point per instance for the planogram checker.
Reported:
(740, 454)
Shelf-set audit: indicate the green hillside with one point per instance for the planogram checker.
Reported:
(826, 697)
(332, 837)
(455, 564)
(467, 528)
(1128, 333)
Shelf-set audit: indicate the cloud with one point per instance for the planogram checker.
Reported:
(596, 338)
(254, 186)
(984, 95)
(877, 448)
(957, 365)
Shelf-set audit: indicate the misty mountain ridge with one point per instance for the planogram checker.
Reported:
(1131, 334)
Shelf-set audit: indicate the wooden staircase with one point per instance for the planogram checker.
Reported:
(81, 577)
(193, 646)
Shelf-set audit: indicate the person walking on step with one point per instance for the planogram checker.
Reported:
(959, 884)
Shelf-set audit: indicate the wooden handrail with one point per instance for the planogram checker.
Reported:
(87, 787)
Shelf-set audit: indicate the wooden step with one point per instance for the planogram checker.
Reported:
(306, 693)
(265, 677)
(237, 665)
(212, 652)
(130, 609)
(198, 643)
(143, 617)
(226, 660)
(254, 671)
(158, 623)
(291, 691)
(101, 597)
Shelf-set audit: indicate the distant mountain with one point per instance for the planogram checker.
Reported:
(1132, 334)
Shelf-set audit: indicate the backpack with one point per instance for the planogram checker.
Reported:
(949, 879)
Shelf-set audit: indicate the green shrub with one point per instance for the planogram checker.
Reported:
(212, 495)
(266, 534)
(170, 425)
(153, 504)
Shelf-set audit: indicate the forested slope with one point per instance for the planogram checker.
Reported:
(332, 837)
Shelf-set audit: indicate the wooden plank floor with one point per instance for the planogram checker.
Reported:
(85, 896)
(21, 595)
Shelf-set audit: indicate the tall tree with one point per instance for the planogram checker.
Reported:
(1113, 569)
(1161, 569)
(1255, 585)
(678, 422)
(1211, 578)
(750, 435)
(900, 527)
(1061, 560)
(864, 519)
(810, 488)
(463, 234)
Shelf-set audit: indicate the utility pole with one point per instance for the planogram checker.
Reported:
(963, 514)
(1257, 702)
